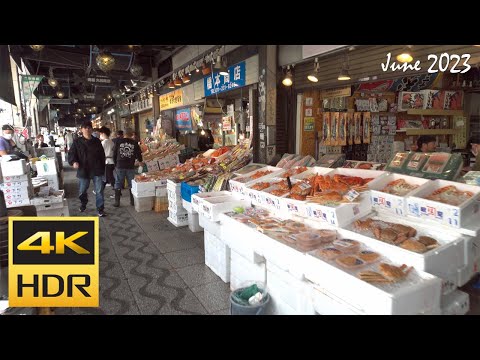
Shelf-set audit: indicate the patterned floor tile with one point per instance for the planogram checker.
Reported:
(196, 275)
(214, 296)
(184, 258)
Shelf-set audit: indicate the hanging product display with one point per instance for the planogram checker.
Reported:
(342, 129)
(334, 119)
(350, 128)
(366, 127)
(357, 121)
(326, 129)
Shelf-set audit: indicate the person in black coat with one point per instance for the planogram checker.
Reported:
(88, 157)
(40, 142)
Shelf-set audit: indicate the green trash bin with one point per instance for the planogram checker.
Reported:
(242, 307)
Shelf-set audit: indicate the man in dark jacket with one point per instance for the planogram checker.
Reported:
(125, 153)
(88, 157)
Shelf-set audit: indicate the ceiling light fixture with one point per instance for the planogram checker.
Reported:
(136, 69)
(37, 47)
(406, 55)
(105, 61)
(344, 74)
(186, 79)
(51, 80)
(196, 67)
(313, 77)
(60, 94)
(287, 80)
(205, 68)
(177, 80)
(171, 84)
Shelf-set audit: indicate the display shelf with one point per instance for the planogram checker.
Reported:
(435, 112)
(430, 131)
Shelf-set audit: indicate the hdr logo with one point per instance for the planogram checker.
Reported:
(53, 261)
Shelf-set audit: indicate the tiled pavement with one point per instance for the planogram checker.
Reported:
(147, 265)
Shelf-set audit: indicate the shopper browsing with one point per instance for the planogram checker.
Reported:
(88, 157)
(39, 143)
(108, 146)
(426, 143)
(125, 153)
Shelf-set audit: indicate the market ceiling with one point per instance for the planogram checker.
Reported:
(81, 80)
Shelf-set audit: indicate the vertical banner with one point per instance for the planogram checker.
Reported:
(183, 120)
(326, 129)
(351, 128)
(29, 84)
(366, 127)
(357, 120)
(334, 122)
(342, 129)
(43, 101)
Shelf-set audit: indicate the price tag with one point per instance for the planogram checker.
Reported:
(352, 195)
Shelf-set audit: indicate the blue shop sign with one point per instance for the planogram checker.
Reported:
(216, 83)
(183, 120)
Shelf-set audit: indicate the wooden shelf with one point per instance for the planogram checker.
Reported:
(435, 112)
(430, 131)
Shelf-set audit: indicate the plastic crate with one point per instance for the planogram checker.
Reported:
(188, 190)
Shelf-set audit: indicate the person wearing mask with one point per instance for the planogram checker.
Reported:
(125, 153)
(88, 157)
(108, 146)
(426, 143)
(39, 143)
(6, 142)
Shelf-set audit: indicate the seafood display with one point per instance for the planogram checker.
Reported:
(399, 187)
(387, 274)
(396, 234)
(256, 175)
(293, 233)
(450, 195)
(294, 171)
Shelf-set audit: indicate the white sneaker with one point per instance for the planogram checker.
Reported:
(94, 193)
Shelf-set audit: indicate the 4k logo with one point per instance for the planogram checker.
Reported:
(53, 261)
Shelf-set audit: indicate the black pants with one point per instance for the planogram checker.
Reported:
(109, 178)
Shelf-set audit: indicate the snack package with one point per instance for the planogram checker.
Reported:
(350, 128)
(334, 122)
(357, 120)
(326, 129)
(342, 129)
(366, 127)
(285, 158)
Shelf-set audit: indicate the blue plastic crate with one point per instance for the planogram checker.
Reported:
(188, 190)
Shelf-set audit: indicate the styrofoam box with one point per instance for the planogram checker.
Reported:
(173, 195)
(242, 239)
(174, 187)
(52, 199)
(454, 216)
(278, 307)
(161, 191)
(242, 270)
(295, 293)
(193, 223)
(211, 208)
(176, 206)
(187, 205)
(239, 187)
(472, 260)
(17, 202)
(178, 221)
(395, 204)
(326, 303)
(175, 213)
(456, 303)
(213, 227)
(143, 203)
(46, 167)
(217, 256)
(152, 165)
(197, 198)
(161, 183)
(24, 177)
(52, 181)
(14, 168)
(62, 211)
(443, 261)
(17, 196)
(316, 170)
(418, 295)
(143, 186)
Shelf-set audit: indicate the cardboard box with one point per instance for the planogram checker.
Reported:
(152, 165)
(62, 211)
(14, 168)
(15, 203)
(17, 196)
(46, 167)
(24, 177)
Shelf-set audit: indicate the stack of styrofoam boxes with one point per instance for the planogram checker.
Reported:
(48, 169)
(143, 195)
(193, 217)
(177, 214)
(17, 184)
(455, 303)
(161, 194)
(52, 205)
(217, 255)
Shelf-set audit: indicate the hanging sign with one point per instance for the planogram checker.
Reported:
(29, 84)
(183, 120)
(216, 83)
(141, 105)
(99, 80)
(339, 92)
(227, 123)
(43, 101)
(171, 100)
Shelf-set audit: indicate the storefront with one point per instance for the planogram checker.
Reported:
(142, 112)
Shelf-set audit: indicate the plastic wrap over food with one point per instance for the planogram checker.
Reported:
(285, 158)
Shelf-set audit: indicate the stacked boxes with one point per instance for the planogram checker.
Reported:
(217, 256)
(143, 195)
(17, 184)
(177, 214)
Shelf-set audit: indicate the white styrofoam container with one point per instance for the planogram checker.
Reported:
(19, 185)
(143, 186)
(211, 208)
(455, 216)
(278, 307)
(292, 207)
(161, 183)
(296, 293)
(176, 206)
(46, 167)
(173, 195)
(239, 187)
(217, 256)
(179, 220)
(52, 199)
(19, 195)
(456, 303)
(62, 211)
(25, 191)
(14, 168)
(193, 223)
(197, 198)
(242, 270)
(142, 204)
(257, 197)
(176, 212)
(52, 180)
(49, 206)
(17, 202)
(472, 260)
(152, 165)
(213, 227)
(187, 205)
(326, 303)
(443, 261)
(161, 191)
(316, 170)
(418, 295)
(174, 187)
(9, 178)
(395, 204)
